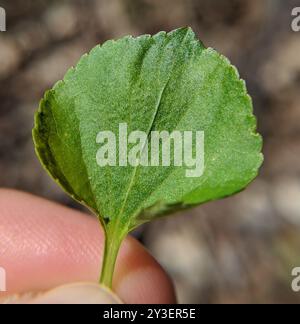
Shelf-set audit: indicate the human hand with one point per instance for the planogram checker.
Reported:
(44, 245)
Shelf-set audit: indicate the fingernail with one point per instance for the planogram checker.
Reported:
(78, 293)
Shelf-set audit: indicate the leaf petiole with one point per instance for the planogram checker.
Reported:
(113, 240)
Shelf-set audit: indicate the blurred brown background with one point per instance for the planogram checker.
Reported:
(241, 249)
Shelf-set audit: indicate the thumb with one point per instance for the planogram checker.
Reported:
(77, 293)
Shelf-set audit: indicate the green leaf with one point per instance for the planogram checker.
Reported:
(164, 82)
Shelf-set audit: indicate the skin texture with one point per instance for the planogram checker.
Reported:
(44, 245)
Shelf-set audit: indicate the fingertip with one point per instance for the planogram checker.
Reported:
(140, 278)
(147, 286)
(46, 245)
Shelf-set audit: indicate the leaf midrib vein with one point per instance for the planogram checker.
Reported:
(131, 183)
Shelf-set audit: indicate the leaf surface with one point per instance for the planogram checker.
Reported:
(153, 83)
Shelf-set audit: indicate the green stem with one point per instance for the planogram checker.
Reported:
(113, 240)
